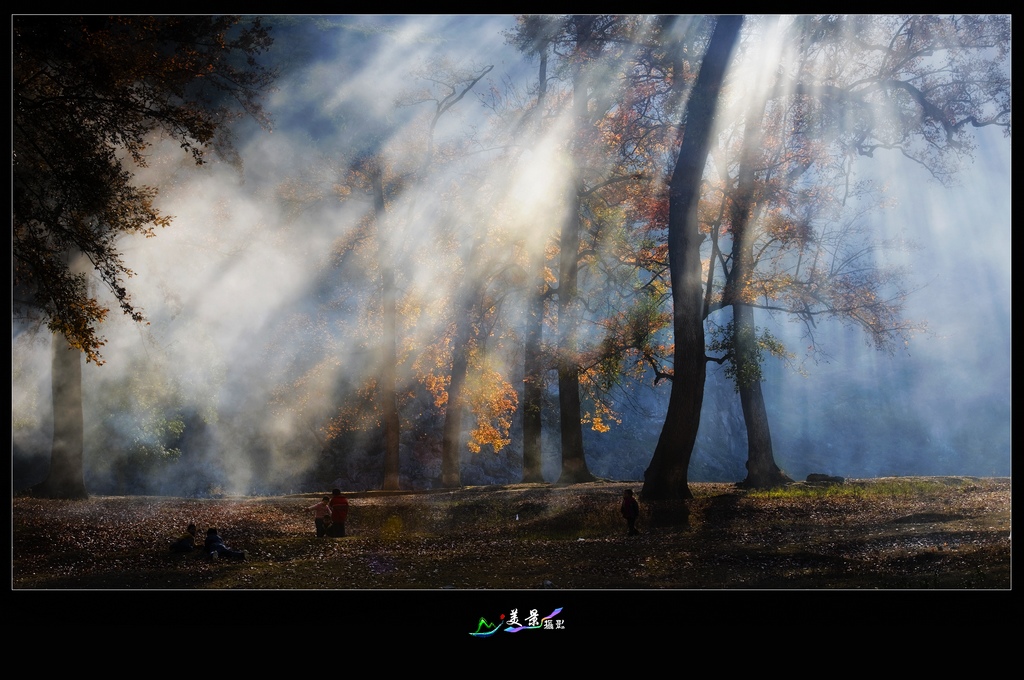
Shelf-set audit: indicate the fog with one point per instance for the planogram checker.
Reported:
(262, 315)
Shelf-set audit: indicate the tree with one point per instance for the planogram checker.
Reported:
(88, 94)
(856, 87)
(66, 477)
(915, 85)
(386, 393)
(594, 56)
(449, 87)
(911, 84)
(366, 174)
(459, 367)
(534, 37)
(455, 84)
(401, 167)
(586, 36)
(666, 476)
(762, 470)
(86, 91)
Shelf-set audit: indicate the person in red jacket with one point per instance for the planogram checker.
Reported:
(630, 510)
(339, 511)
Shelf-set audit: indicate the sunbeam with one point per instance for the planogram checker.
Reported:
(430, 182)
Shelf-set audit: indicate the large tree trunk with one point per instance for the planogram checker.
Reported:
(66, 478)
(666, 477)
(389, 356)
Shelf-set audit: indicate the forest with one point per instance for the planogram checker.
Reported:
(260, 256)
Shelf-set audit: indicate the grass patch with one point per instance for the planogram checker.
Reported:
(891, 487)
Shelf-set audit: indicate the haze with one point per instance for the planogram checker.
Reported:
(252, 330)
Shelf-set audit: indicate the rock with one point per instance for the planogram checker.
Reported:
(816, 478)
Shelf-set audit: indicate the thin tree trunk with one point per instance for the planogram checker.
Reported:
(66, 478)
(451, 431)
(570, 413)
(762, 472)
(533, 367)
(666, 476)
(533, 383)
(574, 463)
(389, 356)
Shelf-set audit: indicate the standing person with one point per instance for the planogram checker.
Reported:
(215, 546)
(321, 515)
(630, 510)
(339, 511)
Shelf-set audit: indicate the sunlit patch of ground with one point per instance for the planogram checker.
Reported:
(904, 533)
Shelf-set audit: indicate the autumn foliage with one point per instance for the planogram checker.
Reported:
(88, 93)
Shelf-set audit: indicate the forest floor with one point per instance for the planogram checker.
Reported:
(892, 533)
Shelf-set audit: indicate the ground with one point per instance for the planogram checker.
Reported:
(894, 533)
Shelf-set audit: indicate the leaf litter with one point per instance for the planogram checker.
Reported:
(950, 535)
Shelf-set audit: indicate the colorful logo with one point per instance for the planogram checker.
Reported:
(531, 621)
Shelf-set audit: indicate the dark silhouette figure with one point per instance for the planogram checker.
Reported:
(215, 546)
(339, 511)
(186, 543)
(630, 510)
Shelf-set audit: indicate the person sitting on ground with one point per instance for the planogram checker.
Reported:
(339, 511)
(630, 510)
(215, 546)
(322, 515)
(186, 543)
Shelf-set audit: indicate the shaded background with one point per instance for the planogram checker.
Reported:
(250, 338)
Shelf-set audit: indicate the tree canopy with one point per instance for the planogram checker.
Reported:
(89, 92)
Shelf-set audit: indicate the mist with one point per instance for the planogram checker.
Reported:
(263, 321)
